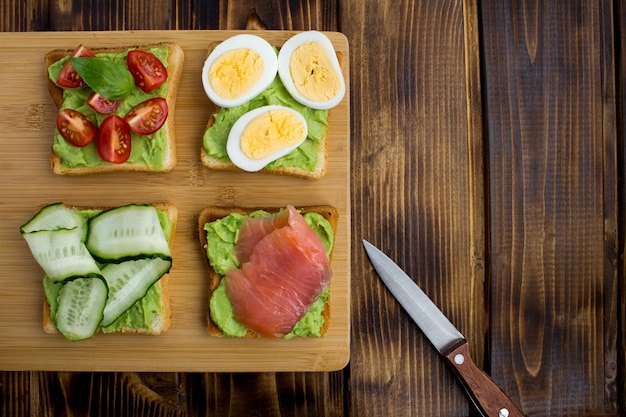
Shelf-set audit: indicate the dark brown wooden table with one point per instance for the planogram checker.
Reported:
(487, 151)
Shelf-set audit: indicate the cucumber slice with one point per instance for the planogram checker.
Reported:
(80, 307)
(128, 282)
(54, 217)
(127, 233)
(61, 254)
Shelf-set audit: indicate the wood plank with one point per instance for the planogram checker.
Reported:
(268, 394)
(417, 181)
(620, 30)
(549, 92)
(113, 15)
(62, 15)
(102, 394)
(266, 14)
(15, 394)
(19, 16)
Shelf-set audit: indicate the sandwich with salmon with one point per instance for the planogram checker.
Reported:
(106, 270)
(269, 270)
(116, 108)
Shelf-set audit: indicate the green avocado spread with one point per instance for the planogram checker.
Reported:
(146, 150)
(304, 157)
(222, 236)
(142, 314)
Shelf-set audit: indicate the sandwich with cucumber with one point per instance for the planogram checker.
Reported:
(269, 270)
(105, 270)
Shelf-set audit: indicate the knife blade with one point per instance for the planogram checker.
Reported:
(485, 394)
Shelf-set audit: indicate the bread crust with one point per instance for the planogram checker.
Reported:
(211, 213)
(175, 62)
(161, 323)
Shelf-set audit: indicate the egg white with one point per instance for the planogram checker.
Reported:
(284, 56)
(233, 146)
(258, 45)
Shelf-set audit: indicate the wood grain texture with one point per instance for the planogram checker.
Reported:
(520, 102)
(68, 15)
(620, 30)
(549, 93)
(418, 183)
(22, 16)
(273, 15)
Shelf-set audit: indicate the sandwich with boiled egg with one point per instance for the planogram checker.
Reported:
(273, 104)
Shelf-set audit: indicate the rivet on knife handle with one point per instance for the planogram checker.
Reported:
(492, 401)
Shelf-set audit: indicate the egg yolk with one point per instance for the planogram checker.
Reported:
(269, 133)
(235, 72)
(312, 72)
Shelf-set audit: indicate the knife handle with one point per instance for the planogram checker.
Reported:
(487, 396)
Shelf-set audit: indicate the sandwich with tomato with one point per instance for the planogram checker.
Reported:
(116, 108)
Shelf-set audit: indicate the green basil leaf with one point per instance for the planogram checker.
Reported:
(107, 78)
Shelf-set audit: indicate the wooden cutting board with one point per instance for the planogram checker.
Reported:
(27, 182)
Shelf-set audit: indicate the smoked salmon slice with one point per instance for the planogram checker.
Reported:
(254, 229)
(284, 269)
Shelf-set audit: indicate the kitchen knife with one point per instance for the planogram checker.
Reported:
(488, 398)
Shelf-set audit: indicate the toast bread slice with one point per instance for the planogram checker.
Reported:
(211, 213)
(175, 62)
(161, 322)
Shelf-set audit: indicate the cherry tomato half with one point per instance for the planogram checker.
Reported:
(147, 70)
(68, 78)
(101, 104)
(113, 142)
(75, 127)
(147, 117)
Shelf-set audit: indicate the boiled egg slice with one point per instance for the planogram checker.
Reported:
(263, 135)
(309, 69)
(238, 70)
